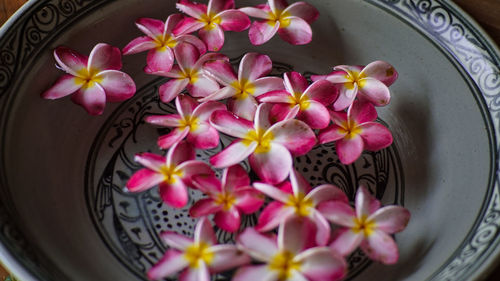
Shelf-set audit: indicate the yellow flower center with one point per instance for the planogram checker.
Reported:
(300, 99)
(87, 78)
(226, 200)
(190, 74)
(364, 225)
(301, 205)
(197, 253)
(189, 121)
(210, 20)
(354, 77)
(263, 139)
(284, 264)
(351, 129)
(243, 88)
(162, 42)
(169, 173)
(281, 17)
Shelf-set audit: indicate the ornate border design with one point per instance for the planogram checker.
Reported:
(440, 21)
(22, 41)
(44, 21)
(479, 63)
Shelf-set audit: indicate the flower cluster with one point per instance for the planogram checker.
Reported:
(302, 248)
(271, 120)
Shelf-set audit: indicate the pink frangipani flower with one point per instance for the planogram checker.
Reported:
(192, 121)
(188, 73)
(269, 147)
(227, 198)
(298, 200)
(171, 173)
(367, 225)
(92, 80)
(368, 83)
(249, 83)
(196, 258)
(292, 257)
(211, 21)
(159, 41)
(307, 103)
(291, 22)
(355, 131)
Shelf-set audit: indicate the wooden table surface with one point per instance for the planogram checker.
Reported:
(486, 12)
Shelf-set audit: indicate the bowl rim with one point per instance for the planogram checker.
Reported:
(20, 269)
(7, 258)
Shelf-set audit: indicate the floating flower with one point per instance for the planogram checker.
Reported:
(368, 83)
(227, 199)
(197, 258)
(92, 80)
(355, 131)
(248, 84)
(292, 257)
(269, 147)
(211, 21)
(171, 173)
(368, 225)
(159, 41)
(298, 200)
(307, 103)
(188, 73)
(291, 22)
(191, 122)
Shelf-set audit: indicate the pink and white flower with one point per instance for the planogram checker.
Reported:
(292, 257)
(298, 199)
(292, 22)
(172, 173)
(196, 258)
(269, 147)
(305, 102)
(159, 42)
(243, 88)
(227, 198)
(188, 73)
(92, 80)
(192, 121)
(211, 21)
(355, 131)
(367, 225)
(368, 83)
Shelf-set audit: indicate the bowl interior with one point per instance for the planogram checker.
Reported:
(66, 170)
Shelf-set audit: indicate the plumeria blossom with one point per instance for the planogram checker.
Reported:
(290, 21)
(269, 147)
(355, 131)
(228, 198)
(303, 101)
(298, 199)
(292, 257)
(248, 84)
(188, 73)
(92, 80)
(159, 41)
(211, 21)
(196, 258)
(191, 122)
(368, 83)
(171, 173)
(367, 225)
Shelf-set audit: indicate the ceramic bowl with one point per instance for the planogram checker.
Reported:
(65, 216)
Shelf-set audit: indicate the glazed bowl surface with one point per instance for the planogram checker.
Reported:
(65, 216)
